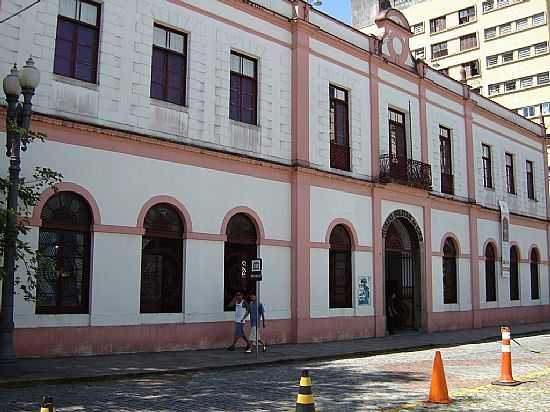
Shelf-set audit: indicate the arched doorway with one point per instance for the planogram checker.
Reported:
(402, 270)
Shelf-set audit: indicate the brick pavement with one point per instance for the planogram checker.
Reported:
(28, 371)
(392, 382)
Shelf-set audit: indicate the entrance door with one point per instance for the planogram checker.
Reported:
(400, 280)
(398, 145)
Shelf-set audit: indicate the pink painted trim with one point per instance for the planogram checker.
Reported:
(445, 108)
(276, 242)
(348, 225)
(178, 206)
(469, 133)
(319, 245)
(500, 120)
(363, 248)
(455, 240)
(423, 121)
(251, 214)
(339, 63)
(36, 220)
(534, 246)
(492, 241)
(396, 87)
(300, 92)
(512, 244)
(427, 287)
(374, 90)
(214, 237)
(474, 266)
(120, 230)
(536, 140)
(461, 256)
(378, 265)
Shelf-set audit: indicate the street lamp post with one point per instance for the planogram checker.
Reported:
(19, 114)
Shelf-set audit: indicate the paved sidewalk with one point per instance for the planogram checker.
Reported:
(87, 368)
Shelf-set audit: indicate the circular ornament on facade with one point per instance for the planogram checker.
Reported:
(397, 44)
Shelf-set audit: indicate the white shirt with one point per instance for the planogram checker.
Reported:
(240, 311)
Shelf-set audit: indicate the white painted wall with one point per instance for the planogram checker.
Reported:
(416, 211)
(463, 286)
(447, 222)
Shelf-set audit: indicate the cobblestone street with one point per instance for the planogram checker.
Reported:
(385, 382)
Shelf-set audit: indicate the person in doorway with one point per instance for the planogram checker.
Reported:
(254, 321)
(241, 308)
(392, 312)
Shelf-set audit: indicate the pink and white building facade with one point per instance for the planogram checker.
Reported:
(193, 134)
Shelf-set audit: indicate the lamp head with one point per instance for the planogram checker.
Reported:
(11, 84)
(30, 75)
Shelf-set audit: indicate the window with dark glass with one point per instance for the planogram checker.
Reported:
(467, 15)
(240, 247)
(243, 89)
(162, 261)
(487, 166)
(339, 129)
(439, 50)
(445, 154)
(169, 65)
(450, 289)
(398, 141)
(438, 24)
(530, 180)
(514, 273)
(471, 68)
(77, 40)
(510, 185)
(534, 264)
(62, 281)
(469, 41)
(490, 274)
(340, 275)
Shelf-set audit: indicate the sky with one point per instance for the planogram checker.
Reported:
(341, 9)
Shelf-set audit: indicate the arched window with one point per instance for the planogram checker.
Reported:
(534, 274)
(514, 273)
(241, 246)
(162, 261)
(340, 277)
(62, 284)
(450, 290)
(490, 274)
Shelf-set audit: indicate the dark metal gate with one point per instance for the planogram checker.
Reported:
(400, 279)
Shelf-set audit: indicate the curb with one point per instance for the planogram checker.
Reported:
(284, 361)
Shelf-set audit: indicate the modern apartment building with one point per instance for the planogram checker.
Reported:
(195, 135)
(501, 47)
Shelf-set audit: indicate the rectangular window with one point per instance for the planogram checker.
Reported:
(418, 28)
(522, 24)
(468, 41)
(510, 185)
(502, 3)
(471, 68)
(526, 82)
(541, 48)
(488, 5)
(438, 24)
(546, 108)
(339, 128)
(530, 180)
(243, 89)
(419, 53)
(543, 78)
(509, 85)
(467, 15)
(490, 33)
(524, 52)
(445, 154)
(505, 28)
(439, 50)
(77, 40)
(487, 167)
(538, 19)
(494, 89)
(169, 65)
(398, 137)
(492, 60)
(507, 57)
(528, 111)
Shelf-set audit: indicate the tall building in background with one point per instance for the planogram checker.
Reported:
(500, 47)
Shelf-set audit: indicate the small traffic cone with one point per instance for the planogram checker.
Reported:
(47, 404)
(438, 387)
(506, 378)
(305, 402)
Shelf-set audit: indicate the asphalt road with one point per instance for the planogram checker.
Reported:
(393, 382)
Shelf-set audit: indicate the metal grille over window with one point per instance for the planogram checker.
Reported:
(543, 78)
(488, 5)
(524, 52)
(526, 81)
(522, 24)
(505, 28)
(243, 89)
(492, 60)
(490, 33)
(77, 40)
(507, 57)
(64, 246)
(538, 19)
(541, 48)
(339, 129)
(169, 65)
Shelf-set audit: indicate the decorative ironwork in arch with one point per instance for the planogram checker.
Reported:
(403, 214)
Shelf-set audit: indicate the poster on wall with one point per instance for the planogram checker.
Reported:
(364, 291)
(505, 238)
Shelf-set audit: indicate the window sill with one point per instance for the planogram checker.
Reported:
(500, 36)
(237, 123)
(168, 105)
(489, 189)
(75, 82)
(519, 90)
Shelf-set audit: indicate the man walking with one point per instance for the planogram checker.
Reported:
(240, 314)
(254, 322)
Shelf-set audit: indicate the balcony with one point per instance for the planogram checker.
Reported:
(405, 171)
(340, 157)
(447, 183)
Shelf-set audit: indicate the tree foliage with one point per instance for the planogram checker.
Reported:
(28, 259)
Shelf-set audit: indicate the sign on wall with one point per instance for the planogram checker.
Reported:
(505, 238)
(364, 291)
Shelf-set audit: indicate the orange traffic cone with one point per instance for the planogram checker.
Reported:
(506, 378)
(438, 388)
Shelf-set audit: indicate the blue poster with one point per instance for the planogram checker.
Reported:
(364, 291)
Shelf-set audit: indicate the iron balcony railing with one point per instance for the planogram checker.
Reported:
(405, 171)
(447, 183)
